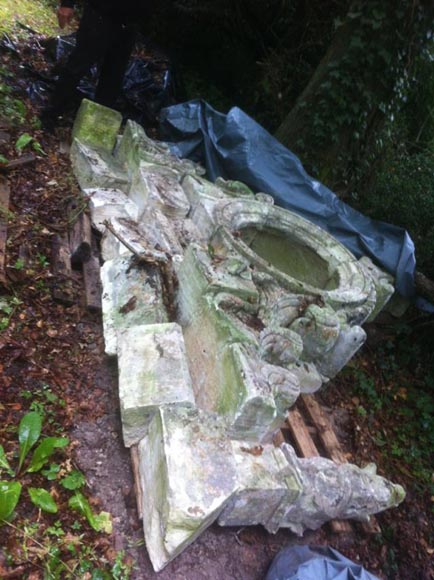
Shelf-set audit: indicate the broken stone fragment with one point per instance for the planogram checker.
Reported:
(333, 491)
(135, 146)
(267, 487)
(105, 204)
(188, 474)
(383, 283)
(132, 295)
(96, 168)
(155, 238)
(158, 186)
(96, 126)
(153, 372)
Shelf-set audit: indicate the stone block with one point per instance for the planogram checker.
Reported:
(153, 372)
(96, 168)
(132, 295)
(188, 474)
(158, 186)
(267, 487)
(105, 204)
(144, 238)
(96, 126)
(135, 146)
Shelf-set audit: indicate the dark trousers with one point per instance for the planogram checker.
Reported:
(101, 39)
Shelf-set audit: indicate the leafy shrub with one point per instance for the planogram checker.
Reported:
(403, 194)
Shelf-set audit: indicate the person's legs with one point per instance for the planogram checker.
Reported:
(92, 41)
(114, 64)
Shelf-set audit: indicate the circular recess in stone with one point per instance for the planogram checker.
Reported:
(298, 254)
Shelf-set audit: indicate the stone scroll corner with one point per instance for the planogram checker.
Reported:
(221, 308)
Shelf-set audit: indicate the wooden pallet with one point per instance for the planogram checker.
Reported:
(77, 250)
(309, 427)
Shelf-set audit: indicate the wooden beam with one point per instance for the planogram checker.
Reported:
(80, 240)
(300, 434)
(136, 475)
(324, 429)
(61, 269)
(4, 208)
(92, 280)
(20, 162)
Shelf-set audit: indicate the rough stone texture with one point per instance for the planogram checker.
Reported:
(132, 296)
(135, 146)
(270, 306)
(333, 491)
(105, 204)
(96, 126)
(96, 168)
(153, 372)
(158, 186)
(155, 240)
(188, 474)
(267, 487)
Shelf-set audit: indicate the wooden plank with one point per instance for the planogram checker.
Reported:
(333, 449)
(92, 283)
(92, 280)
(136, 475)
(80, 238)
(301, 435)
(61, 269)
(324, 429)
(20, 162)
(4, 208)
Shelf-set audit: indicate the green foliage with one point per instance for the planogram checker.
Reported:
(44, 451)
(10, 492)
(74, 480)
(400, 398)
(29, 431)
(37, 14)
(402, 194)
(8, 305)
(4, 463)
(25, 140)
(362, 84)
(43, 500)
(12, 108)
(52, 471)
(45, 402)
(22, 141)
(99, 522)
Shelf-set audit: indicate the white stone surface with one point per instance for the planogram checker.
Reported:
(153, 372)
(131, 295)
(96, 168)
(105, 204)
(188, 474)
(267, 487)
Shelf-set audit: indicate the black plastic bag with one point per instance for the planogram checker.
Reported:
(315, 563)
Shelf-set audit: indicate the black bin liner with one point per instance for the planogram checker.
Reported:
(315, 563)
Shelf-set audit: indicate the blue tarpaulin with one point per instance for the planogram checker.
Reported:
(234, 146)
(315, 563)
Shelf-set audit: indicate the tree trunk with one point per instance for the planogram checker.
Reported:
(359, 81)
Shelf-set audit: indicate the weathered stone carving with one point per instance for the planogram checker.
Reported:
(266, 306)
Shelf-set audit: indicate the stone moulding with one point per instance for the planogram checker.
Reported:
(221, 309)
